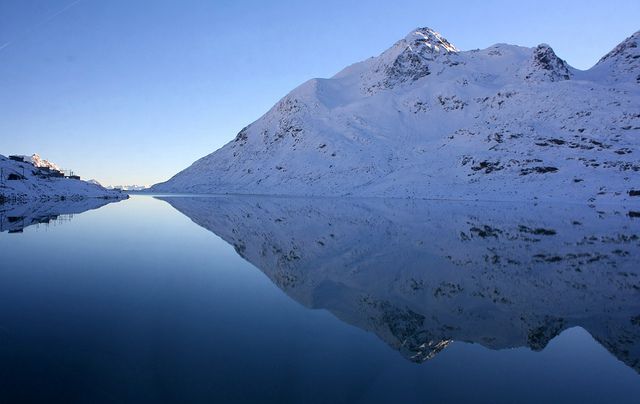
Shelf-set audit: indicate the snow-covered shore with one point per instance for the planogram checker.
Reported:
(24, 182)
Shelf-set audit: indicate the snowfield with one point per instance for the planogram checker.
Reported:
(28, 181)
(425, 120)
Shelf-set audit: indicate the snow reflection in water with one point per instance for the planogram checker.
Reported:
(420, 274)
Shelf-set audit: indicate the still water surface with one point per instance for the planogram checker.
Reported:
(255, 299)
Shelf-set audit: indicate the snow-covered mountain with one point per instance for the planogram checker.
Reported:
(420, 274)
(95, 182)
(424, 119)
(37, 179)
(38, 161)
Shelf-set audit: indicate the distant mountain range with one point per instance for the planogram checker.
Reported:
(121, 187)
(129, 187)
(426, 120)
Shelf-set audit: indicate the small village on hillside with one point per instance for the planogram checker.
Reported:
(41, 168)
(31, 178)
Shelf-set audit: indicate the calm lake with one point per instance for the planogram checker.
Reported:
(294, 300)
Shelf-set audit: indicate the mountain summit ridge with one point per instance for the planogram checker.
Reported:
(426, 120)
(431, 39)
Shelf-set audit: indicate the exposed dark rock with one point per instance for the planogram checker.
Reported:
(536, 231)
(488, 166)
(549, 64)
(538, 170)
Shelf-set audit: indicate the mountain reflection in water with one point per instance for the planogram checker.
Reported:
(420, 274)
(14, 218)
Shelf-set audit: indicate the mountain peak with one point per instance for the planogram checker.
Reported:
(628, 48)
(408, 60)
(547, 66)
(623, 62)
(424, 36)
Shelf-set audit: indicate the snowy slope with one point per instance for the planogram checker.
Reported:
(420, 274)
(25, 181)
(424, 119)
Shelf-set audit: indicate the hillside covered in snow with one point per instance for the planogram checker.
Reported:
(36, 179)
(426, 120)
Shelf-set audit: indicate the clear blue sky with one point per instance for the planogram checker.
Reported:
(129, 91)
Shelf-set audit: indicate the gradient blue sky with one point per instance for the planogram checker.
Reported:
(129, 91)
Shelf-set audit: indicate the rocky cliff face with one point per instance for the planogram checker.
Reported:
(427, 120)
(420, 274)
